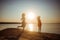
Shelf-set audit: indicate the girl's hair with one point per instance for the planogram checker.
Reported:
(23, 14)
(38, 17)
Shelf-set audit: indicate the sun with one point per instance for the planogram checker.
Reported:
(30, 19)
(30, 15)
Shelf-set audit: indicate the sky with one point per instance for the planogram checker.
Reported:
(10, 10)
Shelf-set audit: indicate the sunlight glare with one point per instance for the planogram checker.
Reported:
(30, 27)
(30, 15)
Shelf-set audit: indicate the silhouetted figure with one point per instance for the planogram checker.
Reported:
(23, 21)
(39, 23)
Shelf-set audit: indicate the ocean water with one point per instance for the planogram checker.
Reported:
(46, 27)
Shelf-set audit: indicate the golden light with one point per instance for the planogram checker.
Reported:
(30, 27)
(30, 19)
(30, 15)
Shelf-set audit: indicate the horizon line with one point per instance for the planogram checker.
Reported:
(15, 23)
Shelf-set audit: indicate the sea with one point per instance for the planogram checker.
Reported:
(46, 27)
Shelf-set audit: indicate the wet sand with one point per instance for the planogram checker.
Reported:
(17, 34)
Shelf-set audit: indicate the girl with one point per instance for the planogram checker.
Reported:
(39, 23)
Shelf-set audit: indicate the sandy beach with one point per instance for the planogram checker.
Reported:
(18, 34)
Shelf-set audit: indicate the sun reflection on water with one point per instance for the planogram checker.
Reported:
(32, 27)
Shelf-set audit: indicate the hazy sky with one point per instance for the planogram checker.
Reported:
(48, 10)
